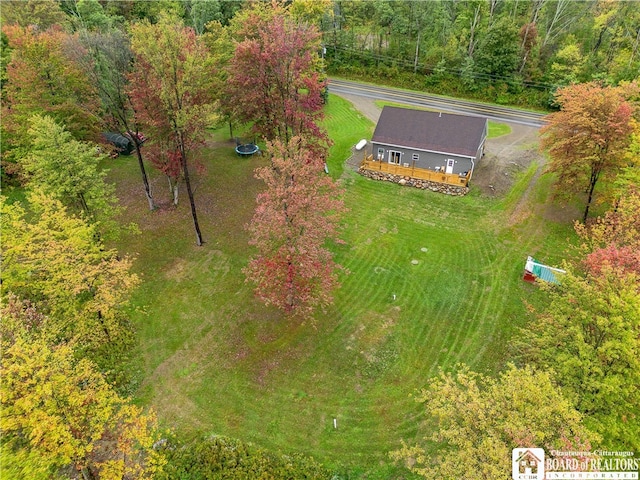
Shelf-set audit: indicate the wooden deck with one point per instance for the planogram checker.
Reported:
(419, 173)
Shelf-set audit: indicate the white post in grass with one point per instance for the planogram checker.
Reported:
(335, 423)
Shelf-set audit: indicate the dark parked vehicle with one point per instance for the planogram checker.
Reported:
(123, 144)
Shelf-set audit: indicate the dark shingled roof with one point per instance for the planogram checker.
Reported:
(434, 131)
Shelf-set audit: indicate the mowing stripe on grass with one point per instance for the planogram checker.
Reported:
(215, 359)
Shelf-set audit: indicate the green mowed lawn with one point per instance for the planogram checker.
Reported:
(428, 281)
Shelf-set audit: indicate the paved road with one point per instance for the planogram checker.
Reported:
(492, 112)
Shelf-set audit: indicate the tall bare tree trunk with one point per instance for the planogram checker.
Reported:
(194, 214)
(561, 6)
(143, 172)
(415, 60)
(472, 31)
(595, 174)
(589, 198)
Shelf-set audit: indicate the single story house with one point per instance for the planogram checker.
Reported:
(429, 141)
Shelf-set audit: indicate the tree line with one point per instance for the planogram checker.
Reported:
(161, 77)
(66, 295)
(508, 51)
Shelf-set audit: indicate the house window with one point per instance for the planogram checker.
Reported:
(380, 153)
(415, 157)
(394, 157)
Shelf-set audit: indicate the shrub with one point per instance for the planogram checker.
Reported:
(217, 458)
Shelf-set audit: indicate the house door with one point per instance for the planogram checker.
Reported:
(394, 157)
(450, 163)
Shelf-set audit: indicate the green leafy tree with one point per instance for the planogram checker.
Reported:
(588, 138)
(88, 15)
(421, 13)
(154, 11)
(559, 18)
(216, 457)
(536, 45)
(567, 65)
(111, 60)
(590, 336)
(471, 19)
(67, 170)
(612, 43)
(58, 411)
(310, 11)
(201, 12)
(497, 55)
(221, 44)
(54, 260)
(39, 13)
(5, 57)
(477, 420)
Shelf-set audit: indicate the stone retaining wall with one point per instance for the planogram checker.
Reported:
(415, 182)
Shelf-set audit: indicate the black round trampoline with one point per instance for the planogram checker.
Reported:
(246, 149)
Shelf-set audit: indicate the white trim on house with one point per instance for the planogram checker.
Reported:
(406, 147)
(397, 155)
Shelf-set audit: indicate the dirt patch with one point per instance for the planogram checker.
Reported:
(559, 212)
(505, 157)
(214, 262)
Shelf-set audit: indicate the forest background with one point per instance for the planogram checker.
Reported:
(504, 51)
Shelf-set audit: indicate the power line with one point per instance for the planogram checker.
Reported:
(367, 54)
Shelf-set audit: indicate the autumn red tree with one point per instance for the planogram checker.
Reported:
(171, 89)
(613, 240)
(588, 138)
(275, 79)
(625, 259)
(297, 215)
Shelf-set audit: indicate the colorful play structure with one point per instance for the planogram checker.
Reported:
(534, 270)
